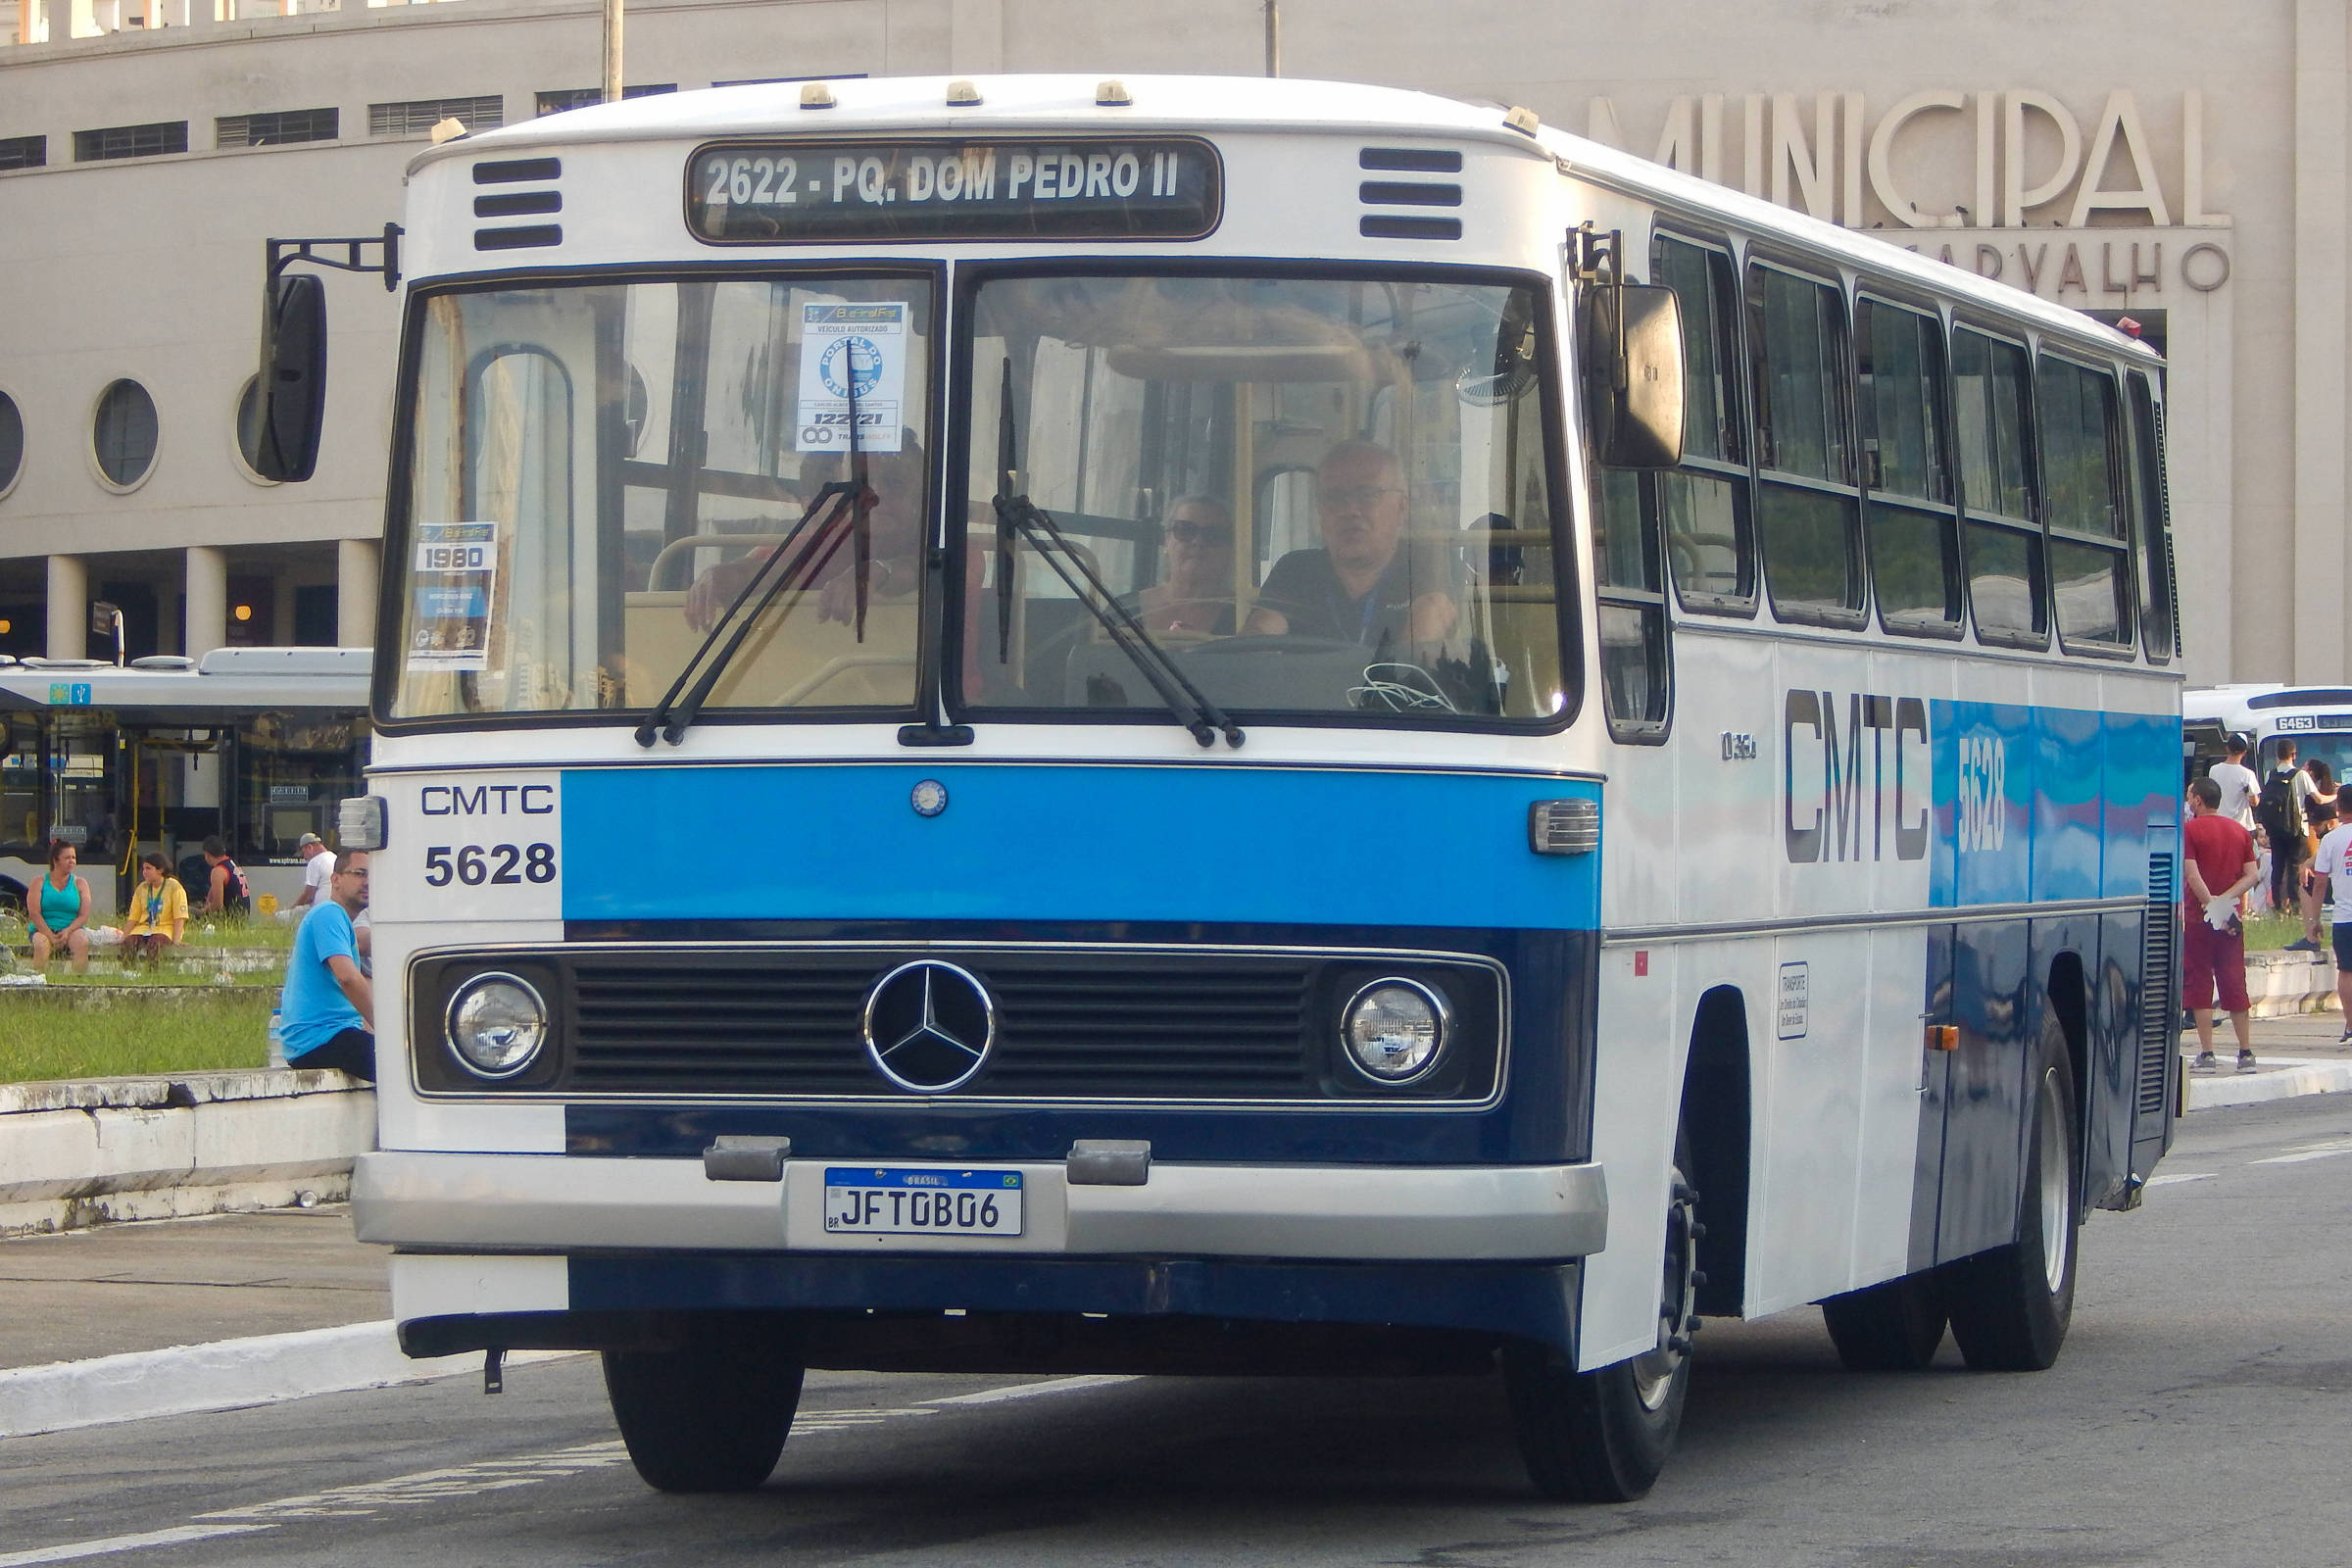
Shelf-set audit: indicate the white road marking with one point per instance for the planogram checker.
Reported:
(176, 1535)
(367, 1499)
(2297, 1159)
(1030, 1391)
(2183, 1176)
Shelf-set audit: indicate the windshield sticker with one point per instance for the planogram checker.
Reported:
(456, 569)
(845, 346)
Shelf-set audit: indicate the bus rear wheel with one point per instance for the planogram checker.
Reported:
(2010, 1307)
(1893, 1327)
(709, 1416)
(1603, 1435)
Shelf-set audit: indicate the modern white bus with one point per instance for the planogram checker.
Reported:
(2317, 718)
(253, 746)
(1231, 725)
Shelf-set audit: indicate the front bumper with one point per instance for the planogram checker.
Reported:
(561, 1203)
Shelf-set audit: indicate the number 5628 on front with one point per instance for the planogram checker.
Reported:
(493, 865)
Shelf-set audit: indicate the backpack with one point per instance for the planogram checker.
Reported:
(2274, 806)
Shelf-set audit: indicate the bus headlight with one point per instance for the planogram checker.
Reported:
(497, 1024)
(1394, 1029)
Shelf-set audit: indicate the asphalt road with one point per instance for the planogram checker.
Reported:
(2198, 1417)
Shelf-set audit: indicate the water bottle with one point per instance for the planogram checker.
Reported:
(277, 1039)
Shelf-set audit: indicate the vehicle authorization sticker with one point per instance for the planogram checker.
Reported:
(456, 571)
(842, 346)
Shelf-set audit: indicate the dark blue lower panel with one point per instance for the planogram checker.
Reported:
(1535, 1302)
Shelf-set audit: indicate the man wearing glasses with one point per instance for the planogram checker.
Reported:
(1362, 586)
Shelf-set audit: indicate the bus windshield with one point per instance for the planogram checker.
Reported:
(595, 472)
(1321, 495)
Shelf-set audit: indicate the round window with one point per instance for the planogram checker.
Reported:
(124, 434)
(12, 442)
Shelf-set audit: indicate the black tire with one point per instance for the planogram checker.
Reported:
(1893, 1327)
(1603, 1435)
(2010, 1307)
(710, 1417)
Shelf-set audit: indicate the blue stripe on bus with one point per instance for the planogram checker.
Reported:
(2035, 804)
(1070, 841)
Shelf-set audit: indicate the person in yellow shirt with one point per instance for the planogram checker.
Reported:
(158, 916)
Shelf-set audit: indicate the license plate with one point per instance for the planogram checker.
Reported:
(928, 1201)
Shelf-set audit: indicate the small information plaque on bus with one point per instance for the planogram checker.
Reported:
(827, 192)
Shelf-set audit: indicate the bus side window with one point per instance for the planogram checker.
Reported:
(2153, 524)
(1636, 669)
(1808, 506)
(1906, 471)
(2003, 544)
(1704, 502)
(2082, 476)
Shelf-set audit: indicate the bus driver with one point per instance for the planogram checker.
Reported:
(1360, 586)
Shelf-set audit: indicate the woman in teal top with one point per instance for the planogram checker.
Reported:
(60, 910)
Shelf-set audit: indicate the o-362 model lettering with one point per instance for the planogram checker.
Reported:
(1863, 782)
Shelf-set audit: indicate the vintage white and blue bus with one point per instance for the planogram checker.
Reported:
(1191, 725)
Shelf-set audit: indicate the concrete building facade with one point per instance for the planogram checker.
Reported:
(2180, 165)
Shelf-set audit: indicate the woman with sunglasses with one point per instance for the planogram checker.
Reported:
(1194, 591)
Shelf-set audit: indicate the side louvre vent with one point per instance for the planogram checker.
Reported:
(2164, 511)
(517, 203)
(1409, 194)
(2159, 987)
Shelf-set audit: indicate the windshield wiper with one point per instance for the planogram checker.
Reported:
(849, 494)
(1018, 514)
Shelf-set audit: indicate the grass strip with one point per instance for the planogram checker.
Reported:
(201, 1029)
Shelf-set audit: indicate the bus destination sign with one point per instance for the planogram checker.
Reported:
(786, 193)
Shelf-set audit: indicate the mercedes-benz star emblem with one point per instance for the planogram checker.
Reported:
(929, 1026)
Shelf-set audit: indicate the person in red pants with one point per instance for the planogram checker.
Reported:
(2216, 864)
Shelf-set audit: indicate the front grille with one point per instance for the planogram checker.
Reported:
(1065, 1026)
(1070, 1024)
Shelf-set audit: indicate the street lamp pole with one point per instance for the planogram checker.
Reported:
(1273, 37)
(611, 51)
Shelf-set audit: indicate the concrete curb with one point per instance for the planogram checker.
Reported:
(224, 1376)
(75, 1153)
(2286, 1079)
(2280, 985)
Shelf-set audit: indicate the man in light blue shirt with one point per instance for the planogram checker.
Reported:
(327, 1011)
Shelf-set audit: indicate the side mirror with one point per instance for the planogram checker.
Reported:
(1633, 374)
(282, 441)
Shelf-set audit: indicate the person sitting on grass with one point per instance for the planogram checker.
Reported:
(158, 916)
(326, 1012)
(225, 890)
(58, 910)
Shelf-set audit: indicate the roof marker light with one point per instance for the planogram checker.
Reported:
(962, 95)
(817, 95)
(1112, 93)
(1522, 121)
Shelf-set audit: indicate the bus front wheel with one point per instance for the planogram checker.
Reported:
(2010, 1307)
(709, 1416)
(1603, 1435)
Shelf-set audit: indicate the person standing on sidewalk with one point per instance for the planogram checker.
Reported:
(327, 1011)
(2217, 864)
(2237, 783)
(2331, 870)
(2280, 811)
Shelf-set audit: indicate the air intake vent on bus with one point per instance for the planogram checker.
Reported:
(2159, 1011)
(1410, 193)
(517, 203)
(2163, 510)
